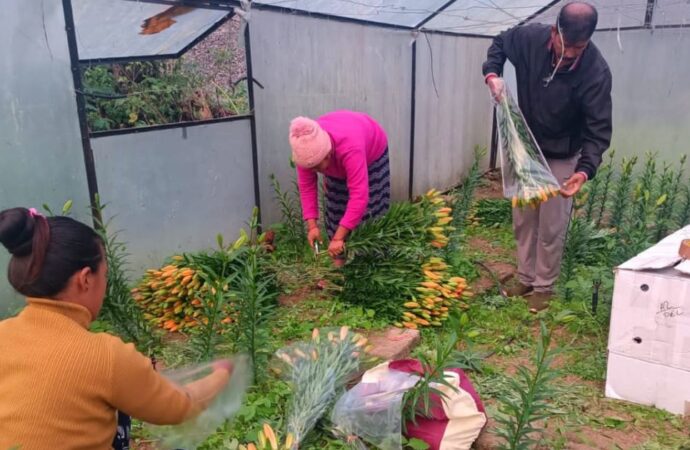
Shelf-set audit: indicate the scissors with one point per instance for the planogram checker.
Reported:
(317, 251)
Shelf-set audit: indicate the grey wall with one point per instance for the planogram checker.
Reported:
(454, 116)
(40, 149)
(174, 190)
(651, 95)
(311, 66)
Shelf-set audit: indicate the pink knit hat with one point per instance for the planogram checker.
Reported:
(310, 143)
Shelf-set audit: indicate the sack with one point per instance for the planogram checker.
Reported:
(371, 412)
(456, 419)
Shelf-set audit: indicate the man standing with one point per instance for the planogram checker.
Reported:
(564, 92)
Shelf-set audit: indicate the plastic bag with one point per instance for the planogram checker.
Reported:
(372, 410)
(318, 370)
(527, 179)
(192, 433)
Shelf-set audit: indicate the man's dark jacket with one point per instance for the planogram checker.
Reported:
(572, 113)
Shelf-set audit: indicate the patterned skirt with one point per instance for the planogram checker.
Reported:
(337, 194)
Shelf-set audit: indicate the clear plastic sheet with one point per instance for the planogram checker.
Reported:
(371, 412)
(190, 434)
(527, 179)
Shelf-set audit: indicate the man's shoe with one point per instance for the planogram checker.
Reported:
(539, 301)
(516, 289)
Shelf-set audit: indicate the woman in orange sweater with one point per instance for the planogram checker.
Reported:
(61, 385)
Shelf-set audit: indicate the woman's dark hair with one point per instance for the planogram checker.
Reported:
(46, 251)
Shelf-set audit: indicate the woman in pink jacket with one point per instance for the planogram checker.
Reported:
(351, 151)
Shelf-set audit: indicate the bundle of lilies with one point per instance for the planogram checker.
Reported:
(527, 178)
(318, 371)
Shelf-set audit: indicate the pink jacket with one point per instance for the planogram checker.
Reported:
(357, 141)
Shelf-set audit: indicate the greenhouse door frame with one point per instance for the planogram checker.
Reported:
(76, 67)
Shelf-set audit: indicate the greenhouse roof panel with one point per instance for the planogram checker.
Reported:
(671, 12)
(484, 17)
(406, 13)
(112, 29)
(612, 13)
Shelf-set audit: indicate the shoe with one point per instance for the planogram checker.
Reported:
(539, 301)
(515, 289)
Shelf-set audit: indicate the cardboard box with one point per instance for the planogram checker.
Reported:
(649, 339)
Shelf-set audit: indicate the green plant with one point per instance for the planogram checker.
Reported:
(622, 192)
(684, 214)
(155, 92)
(417, 401)
(470, 359)
(493, 212)
(670, 185)
(584, 245)
(385, 258)
(462, 198)
(119, 308)
(255, 302)
(65, 210)
(527, 403)
(291, 235)
(204, 339)
(605, 190)
(645, 195)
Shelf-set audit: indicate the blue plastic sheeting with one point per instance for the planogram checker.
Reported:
(110, 29)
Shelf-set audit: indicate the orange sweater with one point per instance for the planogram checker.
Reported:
(60, 385)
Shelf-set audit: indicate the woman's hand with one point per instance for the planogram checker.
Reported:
(313, 233)
(336, 247)
(223, 364)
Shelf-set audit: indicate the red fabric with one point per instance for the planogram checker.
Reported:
(414, 366)
(431, 430)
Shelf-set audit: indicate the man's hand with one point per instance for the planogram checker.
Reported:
(573, 185)
(497, 87)
(336, 247)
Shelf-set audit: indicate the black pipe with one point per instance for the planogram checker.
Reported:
(412, 118)
(595, 295)
(252, 120)
(89, 162)
(494, 142)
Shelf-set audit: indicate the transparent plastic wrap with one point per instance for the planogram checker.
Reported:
(318, 371)
(527, 179)
(192, 433)
(371, 412)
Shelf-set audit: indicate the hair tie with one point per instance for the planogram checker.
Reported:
(39, 245)
(34, 213)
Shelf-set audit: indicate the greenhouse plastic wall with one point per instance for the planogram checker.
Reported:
(311, 66)
(453, 109)
(41, 158)
(174, 190)
(650, 90)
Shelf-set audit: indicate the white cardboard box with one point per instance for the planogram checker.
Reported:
(649, 339)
